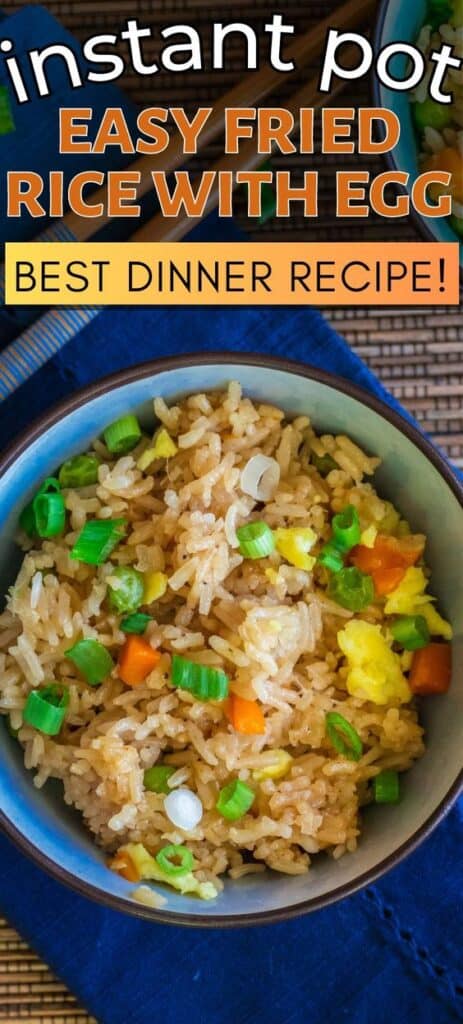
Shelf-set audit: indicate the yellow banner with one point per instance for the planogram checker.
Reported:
(239, 273)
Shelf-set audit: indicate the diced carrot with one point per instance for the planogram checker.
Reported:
(245, 715)
(431, 670)
(387, 553)
(387, 560)
(387, 580)
(123, 865)
(137, 659)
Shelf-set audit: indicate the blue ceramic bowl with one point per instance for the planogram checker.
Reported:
(412, 475)
(400, 21)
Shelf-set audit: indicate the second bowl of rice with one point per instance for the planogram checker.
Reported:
(431, 133)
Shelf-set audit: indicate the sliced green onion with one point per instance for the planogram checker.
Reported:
(45, 709)
(411, 632)
(346, 529)
(324, 464)
(136, 623)
(128, 596)
(352, 589)
(27, 520)
(386, 788)
(50, 514)
(175, 860)
(203, 682)
(344, 737)
(98, 539)
(235, 799)
(155, 779)
(123, 435)
(256, 540)
(331, 557)
(92, 659)
(81, 471)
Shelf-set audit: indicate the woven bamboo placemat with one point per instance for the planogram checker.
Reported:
(418, 354)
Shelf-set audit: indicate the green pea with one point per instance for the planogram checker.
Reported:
(430, 114)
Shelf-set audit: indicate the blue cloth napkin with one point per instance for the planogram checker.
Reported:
(390, 953)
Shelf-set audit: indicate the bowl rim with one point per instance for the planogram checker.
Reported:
(389, 158)
(153, 368)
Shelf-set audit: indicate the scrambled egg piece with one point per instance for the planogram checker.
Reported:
(294, 544)
(155, 586)
(409, 598)
(369, 536)
(375, 672)
(163, 448)
(148, 869)
(281, 767)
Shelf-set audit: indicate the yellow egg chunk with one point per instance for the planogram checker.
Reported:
(294, 544)
(281, 767)
(374, 670)
(163, 447)
(409, 598)
(390, 519)
(368, 537)
(155, 586)
(272, 576)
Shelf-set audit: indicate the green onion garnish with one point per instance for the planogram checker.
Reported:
(49, 514)
(123, 435)
(81, 471)
(411, 632)
(92, 659)
(352, 589)
(346, 529)
(235, 799)
(324, 464)
(256, 540)
(203, 682)
(45, 709)
(175, 860)
(331, 557)
(386, 788)
(98, 539)
(128, 596)
(343, 736)
(136, 623)
(27, 519)
(155, 779)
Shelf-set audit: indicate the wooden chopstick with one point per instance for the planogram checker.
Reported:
(253, 88)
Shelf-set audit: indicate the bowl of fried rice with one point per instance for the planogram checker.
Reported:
(431, 133)
(229, 640)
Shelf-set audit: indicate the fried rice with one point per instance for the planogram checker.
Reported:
(268, 624)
